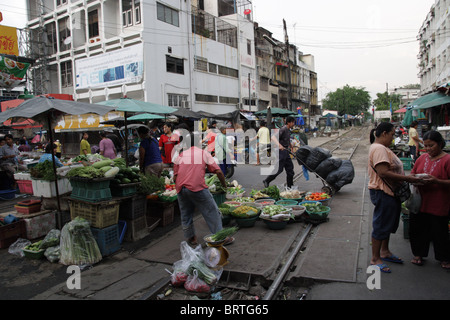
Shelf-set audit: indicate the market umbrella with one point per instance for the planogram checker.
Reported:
(45, 110)
(402, 110)
(186, 113)
(145, 116)
(277, 112)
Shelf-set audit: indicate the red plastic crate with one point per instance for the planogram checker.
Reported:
(25, 186)
(28, 206)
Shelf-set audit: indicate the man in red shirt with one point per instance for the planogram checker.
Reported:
(189, 175)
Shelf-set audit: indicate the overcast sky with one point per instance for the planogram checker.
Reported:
(362, 43)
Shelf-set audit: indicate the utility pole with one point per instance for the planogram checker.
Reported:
(286, 38)
(249, 94)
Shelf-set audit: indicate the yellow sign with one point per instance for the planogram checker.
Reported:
(8, 41)
(88, 121)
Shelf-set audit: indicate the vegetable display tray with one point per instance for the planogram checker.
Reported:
(33, 254)
(100, 215)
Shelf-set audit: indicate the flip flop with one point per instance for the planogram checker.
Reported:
(417, 262)
(383, 267)
(393, 258)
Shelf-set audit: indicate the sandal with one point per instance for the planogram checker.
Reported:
(417, 261)
(192, 241)
(445, 265)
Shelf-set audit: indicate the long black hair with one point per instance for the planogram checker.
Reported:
(436, 137)
(382, 127)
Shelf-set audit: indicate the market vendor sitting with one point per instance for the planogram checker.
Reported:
(47, 156)
(8, 158)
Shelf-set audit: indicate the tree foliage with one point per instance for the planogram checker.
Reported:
(384, 100)
(348, 100)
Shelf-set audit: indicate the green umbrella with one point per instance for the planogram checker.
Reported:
(132, 105)
(145, 116)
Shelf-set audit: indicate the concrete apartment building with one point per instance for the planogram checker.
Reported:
(197, 54)
(434, 54)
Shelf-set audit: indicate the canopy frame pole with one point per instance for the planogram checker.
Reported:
(50, 133)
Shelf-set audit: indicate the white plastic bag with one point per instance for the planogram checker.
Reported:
(415, 200)
(16, 247)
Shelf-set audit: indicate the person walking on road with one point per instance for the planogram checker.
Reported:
(414, 140)
(263, 137)
(193, 193)
(430, 224)
(285, 161)
(384, 165)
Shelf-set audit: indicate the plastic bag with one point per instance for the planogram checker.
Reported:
(316, 156)
(53, 253)
(195, 284)
(415, 200)
(16, 247)
(328, 165)
(51, 239)
(180, 267)
(341, 176)
(302, 154)
(78, 246)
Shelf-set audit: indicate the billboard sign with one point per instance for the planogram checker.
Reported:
(8, 41)
(111, 68)
(11, 72)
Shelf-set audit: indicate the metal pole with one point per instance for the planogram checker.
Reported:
(50, 133)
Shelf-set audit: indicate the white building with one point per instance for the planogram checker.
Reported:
(434, 53)
(197, 53)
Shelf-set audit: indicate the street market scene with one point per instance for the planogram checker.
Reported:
(112, 188)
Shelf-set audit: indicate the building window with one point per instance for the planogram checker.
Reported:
(212, 68)
(128, 8)
(176, 100)
(225, 71)
(205, 98)
(51, 37)
(167, 15)
(229, 100)
(60, 2)
(64, 34)
(93, 23)
(249, 47)
(200, 64)
(174, 65)
(66, 74)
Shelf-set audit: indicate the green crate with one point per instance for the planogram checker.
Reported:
(90, 184)
(91, 195)
(219, 198)
(124, 190)
(407, 163)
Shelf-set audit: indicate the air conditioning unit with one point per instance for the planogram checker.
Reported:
(185, 104)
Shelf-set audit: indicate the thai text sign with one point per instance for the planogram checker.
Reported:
(8, 41)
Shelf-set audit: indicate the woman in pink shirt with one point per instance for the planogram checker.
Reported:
(431, 223)
(193, 193)
(107, 148)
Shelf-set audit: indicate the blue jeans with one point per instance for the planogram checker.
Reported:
(204, 202)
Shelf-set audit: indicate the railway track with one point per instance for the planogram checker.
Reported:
(343, 147)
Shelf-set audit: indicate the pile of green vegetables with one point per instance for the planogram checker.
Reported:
(78, 246)
(43, 171)
(223, 234)
(88, 172)
(127, 175)
(150, 184)
(214, 184)
(271, 191)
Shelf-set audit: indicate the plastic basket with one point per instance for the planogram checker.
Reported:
(133, 208)
(219, 198)
(124, 190)
(33, 254)
(136, 229)
(90, 184)
(28, 206)
(7, 194)
(25, 186)
(287, 202)
(246, 222)
(407, 163)
(100, 215)
(276, 224)
(91, 195)
(108, 239)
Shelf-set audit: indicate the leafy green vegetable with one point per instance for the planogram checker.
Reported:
(150, 184)
(222, 234)
(85, 172)
(43, 171)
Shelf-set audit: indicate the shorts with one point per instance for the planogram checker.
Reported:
(386, 215)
